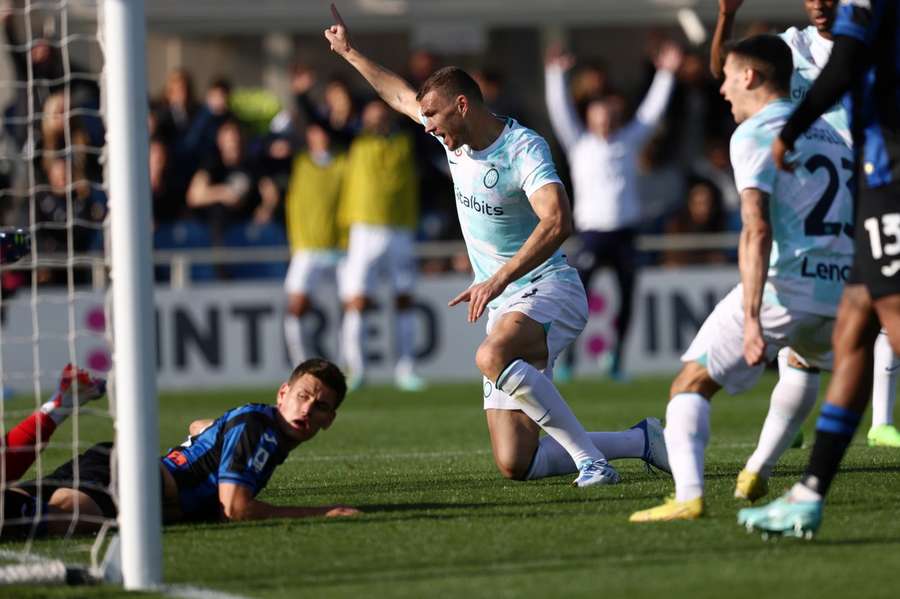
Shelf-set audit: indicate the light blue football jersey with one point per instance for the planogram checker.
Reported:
(810, 52)
(810, 210)
(492, 187)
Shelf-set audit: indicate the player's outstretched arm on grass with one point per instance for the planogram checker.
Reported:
(551, 205)
(392, 88)
(724, 26)
(238, 504)
(753, 262)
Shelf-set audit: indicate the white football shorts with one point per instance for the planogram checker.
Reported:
(719, 344)
(374, 252)
(558, 302)
(308, 267)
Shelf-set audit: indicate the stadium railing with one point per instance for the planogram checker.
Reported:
(180, 262)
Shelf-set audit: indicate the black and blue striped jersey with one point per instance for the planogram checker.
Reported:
(243, 446)
(875, 97)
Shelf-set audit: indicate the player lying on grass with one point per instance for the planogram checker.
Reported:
(515, 215)
(215, 475)
(795, 251)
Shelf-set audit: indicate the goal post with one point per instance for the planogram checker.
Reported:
(134, 370)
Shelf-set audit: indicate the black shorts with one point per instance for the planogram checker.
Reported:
(876, 262)
(93, 479)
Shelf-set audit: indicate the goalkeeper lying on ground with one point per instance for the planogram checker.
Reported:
(214, 475)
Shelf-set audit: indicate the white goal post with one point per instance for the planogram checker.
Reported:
(134, 375)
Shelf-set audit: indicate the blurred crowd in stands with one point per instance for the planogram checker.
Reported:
(221, 159)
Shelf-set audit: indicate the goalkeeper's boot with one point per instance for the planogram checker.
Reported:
(751, 486)
(596, 472)
(655, 453)
(885, 435)
(672, 509)
(76, 387)
(784, 516)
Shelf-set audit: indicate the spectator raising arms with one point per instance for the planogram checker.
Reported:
(603, 154)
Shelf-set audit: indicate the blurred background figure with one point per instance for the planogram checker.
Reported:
(317, 241)
(225, 191)
(177, 107)
(702, 214)
(603, 152)
(379, 205)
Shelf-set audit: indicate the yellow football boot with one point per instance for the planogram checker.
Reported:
(751, 486)
(671, 510)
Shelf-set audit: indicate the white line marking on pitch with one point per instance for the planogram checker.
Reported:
(186, 591)
(417, 455)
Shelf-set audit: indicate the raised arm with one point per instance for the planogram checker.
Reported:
(724, 27)
(398, 94)
(753, 262)
(238, 504)
(653, 106)
(566, 125)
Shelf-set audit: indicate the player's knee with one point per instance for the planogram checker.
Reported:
(490, 360)
(694, 378)
(512, 468)
(794, 361)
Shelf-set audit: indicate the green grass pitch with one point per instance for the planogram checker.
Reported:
(440, 522)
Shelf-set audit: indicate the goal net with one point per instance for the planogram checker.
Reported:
(76, 291)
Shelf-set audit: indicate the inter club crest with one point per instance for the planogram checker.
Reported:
(491, 178)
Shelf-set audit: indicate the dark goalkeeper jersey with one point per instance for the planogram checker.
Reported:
(243, 446)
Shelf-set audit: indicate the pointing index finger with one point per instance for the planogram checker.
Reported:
(337, 16)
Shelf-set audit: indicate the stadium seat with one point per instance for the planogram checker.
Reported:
(186, 234)
(256, 235)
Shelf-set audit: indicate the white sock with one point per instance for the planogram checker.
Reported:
(551, 459)
(884, 382)
(540, 400)
(353, 332)
(800, 492)
(687, 434)
(293, 336)
(405, 331)
(793, 398)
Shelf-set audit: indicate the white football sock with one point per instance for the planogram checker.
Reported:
(800, 492)
(551, 459)
(293, 337)
(793, 398)
(884, 382)
(540, 400)
(405, 331)
(353, 332)
(687, 434)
